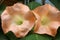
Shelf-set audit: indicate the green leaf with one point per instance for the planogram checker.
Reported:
(33, 36)
(57, 35)
(2, 7)
(2, 36)
(33, 5)
(56, 3)
(37, 37)
(11, 36)
(30, 36)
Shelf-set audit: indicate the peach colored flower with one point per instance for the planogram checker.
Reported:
(18, 19)
(48, 20)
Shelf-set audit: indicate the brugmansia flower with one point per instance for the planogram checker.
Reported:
(18, 19)
(48, 20)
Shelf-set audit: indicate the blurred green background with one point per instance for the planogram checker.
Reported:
(32, 4)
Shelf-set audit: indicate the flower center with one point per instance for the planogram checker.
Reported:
(18, 20)
(45, 20)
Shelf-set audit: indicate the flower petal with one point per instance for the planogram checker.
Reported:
(8, 23)
(53, 26)
(49, 12)
(58, 16)
(41, 10)
(18, 8)
(6, 19)
(54, 17)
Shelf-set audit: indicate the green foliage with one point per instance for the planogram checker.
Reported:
(31, 35)
(11, 36)
(2, 36)
(57, 35)
(56, 3)
(37, 37)
(2, 7)
(33, 5)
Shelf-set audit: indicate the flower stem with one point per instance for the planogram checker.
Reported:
(43, 2)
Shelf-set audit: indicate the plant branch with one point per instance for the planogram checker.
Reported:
(43, 2)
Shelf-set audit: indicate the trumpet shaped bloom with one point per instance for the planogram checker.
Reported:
(18, 19)
(48, 20)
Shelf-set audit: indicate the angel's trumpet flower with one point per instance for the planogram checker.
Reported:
(48, 20)
(18, 19)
